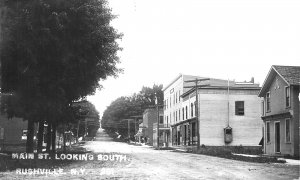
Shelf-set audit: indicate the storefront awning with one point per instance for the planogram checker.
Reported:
(185, 121)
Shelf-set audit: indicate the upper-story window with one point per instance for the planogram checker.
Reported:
(268, 107)
(262, 108)
(287, 97)
(277, 84)
(182, 113)
(174, 116)
(186, 112)
(2, 133)
(239, 108)
(170, 101)
(166, 103)
(176, 97)
(161, 119)
(192, 108)
(178, 114)
(179, 96)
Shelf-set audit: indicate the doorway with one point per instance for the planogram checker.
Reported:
(277, 137)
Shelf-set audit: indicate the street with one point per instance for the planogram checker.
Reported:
(143, 162)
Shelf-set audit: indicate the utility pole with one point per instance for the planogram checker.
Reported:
(157, 109)
(135, 119)
(197, 107)
(128, 123)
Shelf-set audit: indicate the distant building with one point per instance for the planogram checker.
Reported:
(280, 110)
(222, 104)
(150, 124)
(13, 134)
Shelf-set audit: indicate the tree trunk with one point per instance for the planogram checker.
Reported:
(30, 135)
(53, 137)
(64, 139)
(48, 137)
(40, 137)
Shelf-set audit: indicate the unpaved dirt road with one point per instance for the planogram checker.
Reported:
(144, 162)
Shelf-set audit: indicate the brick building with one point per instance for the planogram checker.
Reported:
(150, 124)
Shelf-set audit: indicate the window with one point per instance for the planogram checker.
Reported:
(161, 119)
(287, 130)
(268, 107)
(24, 134)
(173, 99)
(287, 97)
(178, 114)
(170, 101)
(262, 108)
(192, 113)
(174, 116)
(186, 112)
(1, 133)
(268, 132)
(179, 96)
(182, 113)
(166, 103)
(239, 108)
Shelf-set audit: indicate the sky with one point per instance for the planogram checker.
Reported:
(225, 39)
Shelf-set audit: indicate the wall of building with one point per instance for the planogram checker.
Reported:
(213, 109)
(172, 100)
(278, 107)
(285, 148)
(150, 117)
(12, 136)
(295, 103)
(277, 96)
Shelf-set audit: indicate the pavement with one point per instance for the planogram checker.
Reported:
(146, 163)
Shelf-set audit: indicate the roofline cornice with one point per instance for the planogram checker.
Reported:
(220, 87)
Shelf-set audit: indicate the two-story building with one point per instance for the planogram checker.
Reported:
(149, 126)
(280, 110)
(224, 107)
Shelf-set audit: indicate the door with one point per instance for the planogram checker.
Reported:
(277, 137)
(185, 134)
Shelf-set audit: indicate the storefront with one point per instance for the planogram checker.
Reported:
(185, 133)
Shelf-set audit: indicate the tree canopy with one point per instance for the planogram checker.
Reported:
(127, 106)
(54, 52)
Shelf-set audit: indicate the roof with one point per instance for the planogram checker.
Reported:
(184, 76)
(290, 74)
(231, 87)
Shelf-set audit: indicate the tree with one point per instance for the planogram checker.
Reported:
(126, 107)
(53, 53)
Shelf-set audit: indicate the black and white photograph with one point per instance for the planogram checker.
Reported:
(149, 89)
